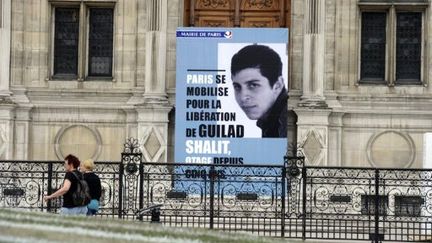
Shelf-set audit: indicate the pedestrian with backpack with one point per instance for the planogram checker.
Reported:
(74, 190)
(94, 184)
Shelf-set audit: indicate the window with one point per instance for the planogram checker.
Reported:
(66, 41)
(100, 42)
(408, 46)
(83, 42)
(373, 46)
(391, 42)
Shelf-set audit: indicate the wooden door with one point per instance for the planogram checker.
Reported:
(237, 13)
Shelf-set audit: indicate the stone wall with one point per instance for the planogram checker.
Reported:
(45, 119)
(350, 123)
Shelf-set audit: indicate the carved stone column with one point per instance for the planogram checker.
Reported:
(153, 112)
(314, 54)
(6, 105)
(6, 129)
(5, 35)
(156, 45)
(312, 111)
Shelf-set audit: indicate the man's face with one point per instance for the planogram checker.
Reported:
(67, 166)
(253, 92)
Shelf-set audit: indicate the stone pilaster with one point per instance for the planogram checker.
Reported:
(312, 134)
(22, 124)
(335, 135)
(21, 133)
(314, 54)
(5, 35)
(6, 128)
(156, 46)
(153, 132)
(312, 110)
(153, 113)
(7, 106)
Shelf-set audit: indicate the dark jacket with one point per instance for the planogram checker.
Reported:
(94, 184)
(273, 123)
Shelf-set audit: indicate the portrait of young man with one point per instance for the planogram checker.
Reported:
(259, 88)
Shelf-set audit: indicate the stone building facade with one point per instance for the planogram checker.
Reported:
(83, 76)
(359, 75)
(360, 81)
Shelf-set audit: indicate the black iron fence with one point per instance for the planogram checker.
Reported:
(23, 184)
(292, 200)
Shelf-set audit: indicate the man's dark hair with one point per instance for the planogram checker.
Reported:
(72, 159)
(258, 56)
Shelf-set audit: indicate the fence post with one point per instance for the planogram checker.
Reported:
(377, 206)
(120, 205)
(131, 160)
(212, 175)
(283, 178)
(304, 203)
(50, 174)
(141, 188)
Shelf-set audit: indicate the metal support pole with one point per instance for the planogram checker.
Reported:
(50, 174)
(120, 206)
(377, 206)
(212, 175)
(141, 188)
(283, 197)
(304, 203)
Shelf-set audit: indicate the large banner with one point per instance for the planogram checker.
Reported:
(231, 95)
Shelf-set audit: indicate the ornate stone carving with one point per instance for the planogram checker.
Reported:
(6, 101)
(313, 145)
(153, 144)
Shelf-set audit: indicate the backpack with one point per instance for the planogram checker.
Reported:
(81, 196)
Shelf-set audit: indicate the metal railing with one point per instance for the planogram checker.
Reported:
(292, 200)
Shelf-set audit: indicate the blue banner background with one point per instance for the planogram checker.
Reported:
(198, 49)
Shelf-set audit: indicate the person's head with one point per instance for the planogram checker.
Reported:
(71, 162)
(87, 165)
(256, 72)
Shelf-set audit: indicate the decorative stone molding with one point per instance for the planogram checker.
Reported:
(3, 141)
(153, 144)
(391, 149)
(6, 100)
(154, 15)
(312, 134)
(313, 144)
(63, 135)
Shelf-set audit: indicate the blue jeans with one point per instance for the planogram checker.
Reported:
(74, 211)
(91, 212)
